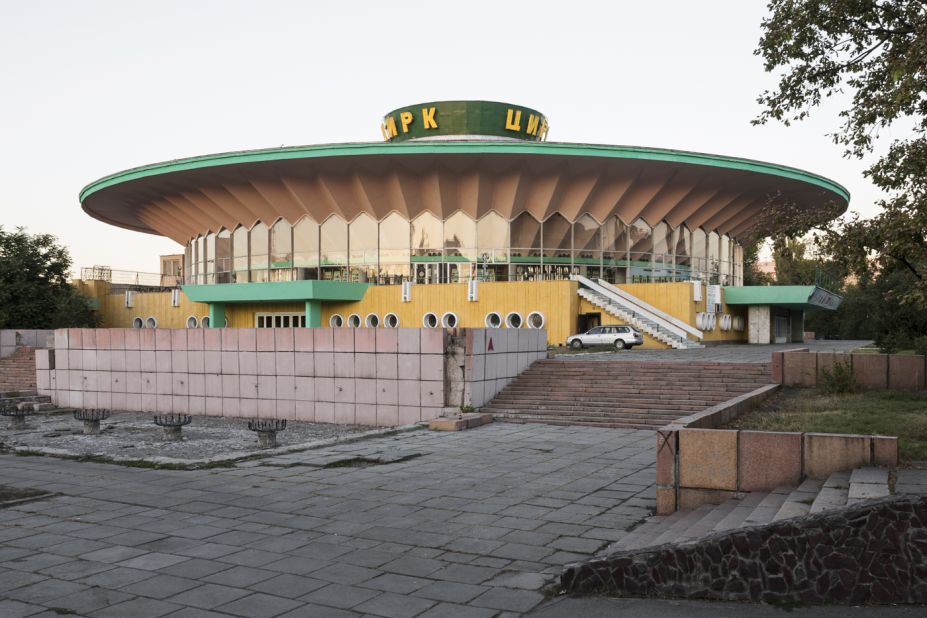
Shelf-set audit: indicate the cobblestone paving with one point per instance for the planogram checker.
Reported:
(740, 353)
(458, 524)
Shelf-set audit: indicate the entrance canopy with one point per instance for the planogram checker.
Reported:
(800, 297)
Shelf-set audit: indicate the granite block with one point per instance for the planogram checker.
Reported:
(708, 458)
(769, 459)
(825, 454)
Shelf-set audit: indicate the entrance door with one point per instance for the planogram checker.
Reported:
(782, 329)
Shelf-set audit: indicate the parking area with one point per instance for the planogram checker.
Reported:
(423, 523)
(727, 353)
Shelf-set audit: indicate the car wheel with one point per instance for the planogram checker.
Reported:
(576, 344)
(621, 345)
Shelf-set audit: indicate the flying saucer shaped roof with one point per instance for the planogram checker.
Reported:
(180, 199)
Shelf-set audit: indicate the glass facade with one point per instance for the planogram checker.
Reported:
(429, 250)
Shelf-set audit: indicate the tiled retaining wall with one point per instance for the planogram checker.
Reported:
(872, 554)
(10, 339)
(878, 371)
(364, 376)
(699, 466)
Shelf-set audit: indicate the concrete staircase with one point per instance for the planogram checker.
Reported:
(632, 310)
(17, 371)
(840, 490)
(621, 393)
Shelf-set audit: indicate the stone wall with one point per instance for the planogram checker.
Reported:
(869, 554)
(10, 339)
(877, 371)
(708, 466)
(365, 376)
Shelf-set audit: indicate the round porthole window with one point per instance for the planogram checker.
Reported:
(535, 319)
(391, 320)
(151, 322)
(138, 323)
(513, 320)
(192, 322)
(204, 321)
(493, 320)
(430, 320)
(336, 321)
(449, 320)
(354, 321)
(372, 320)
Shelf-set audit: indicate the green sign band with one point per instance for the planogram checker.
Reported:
(439, 118)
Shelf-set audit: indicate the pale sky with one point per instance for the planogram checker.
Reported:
(93, 87)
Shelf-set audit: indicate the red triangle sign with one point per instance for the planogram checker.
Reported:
(489, 348)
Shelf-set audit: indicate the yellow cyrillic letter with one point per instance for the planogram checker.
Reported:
(406, 119)
(509, 124)
(428, 118)
(391, 127)
(383, 131)
(533, 122)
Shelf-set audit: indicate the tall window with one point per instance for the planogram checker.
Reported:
(334, 248)
(200, 259)
(362, 241)
(188, 263)
(224, 256)
(616, 240)
(714, 257)
(526, 236)
(662, 251)
(557, 246)
(641, 251)
(683, 252)
(395, 236)
(460, 236)
(492, 240)
(281, 251)
(700, 253)
(427, 247)
(240, 255)
(211, 257)
(587, 247)
(260, 254)
(306, 248)
(725, 259)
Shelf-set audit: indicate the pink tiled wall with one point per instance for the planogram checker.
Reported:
(365, 376)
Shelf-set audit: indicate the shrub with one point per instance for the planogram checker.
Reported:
(920, 345)
(838, 380)
(889, 343)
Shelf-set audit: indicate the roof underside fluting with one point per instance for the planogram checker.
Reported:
(183, 198)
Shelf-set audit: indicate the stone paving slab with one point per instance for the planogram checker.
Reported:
(473, 526)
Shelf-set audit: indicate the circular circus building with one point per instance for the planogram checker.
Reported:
(466, 216)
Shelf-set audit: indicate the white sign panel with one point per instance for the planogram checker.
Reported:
(697, 291)
(714, 298)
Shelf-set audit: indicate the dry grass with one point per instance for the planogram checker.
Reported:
(887, 413)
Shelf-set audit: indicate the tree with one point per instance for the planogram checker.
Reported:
(875, 51)
(34, 290)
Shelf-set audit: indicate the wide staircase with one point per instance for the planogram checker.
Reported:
(625, 394)
(840, 490)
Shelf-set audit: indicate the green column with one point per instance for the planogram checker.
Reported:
(313, 314)
(216, 315)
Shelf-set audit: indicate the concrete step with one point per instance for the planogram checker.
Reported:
(799, 500)
(867, 484)
(766, 510)
(833, 494)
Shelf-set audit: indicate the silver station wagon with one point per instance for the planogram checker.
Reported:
(622, 337)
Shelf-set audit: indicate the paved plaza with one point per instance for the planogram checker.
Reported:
(726, 353)
(424, 523)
